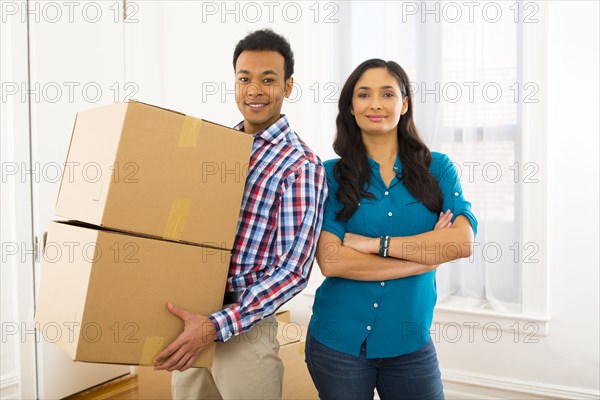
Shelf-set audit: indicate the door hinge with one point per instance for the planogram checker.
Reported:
(38, 248)
(36, 252)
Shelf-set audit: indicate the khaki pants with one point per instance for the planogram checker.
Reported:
(245, 367)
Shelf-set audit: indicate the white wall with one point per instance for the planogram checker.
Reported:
(17, 357)
(568, 356)
(180, 56)
(8, 364)
(573, 191)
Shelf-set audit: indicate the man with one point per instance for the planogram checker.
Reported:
(274, 249)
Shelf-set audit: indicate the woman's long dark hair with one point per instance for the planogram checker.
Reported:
(353, 171)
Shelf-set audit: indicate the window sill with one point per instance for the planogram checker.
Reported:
(452, 311)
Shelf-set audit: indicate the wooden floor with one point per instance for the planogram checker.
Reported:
(125, 388)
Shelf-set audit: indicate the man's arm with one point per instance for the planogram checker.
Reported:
(299, 220)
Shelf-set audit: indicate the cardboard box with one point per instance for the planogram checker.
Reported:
(297, 383)
(283, 316)
(290, 332)
(154, 385)
(138, 168)
(103, 294)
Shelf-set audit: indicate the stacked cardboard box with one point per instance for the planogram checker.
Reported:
(151, 198)
(297, 383)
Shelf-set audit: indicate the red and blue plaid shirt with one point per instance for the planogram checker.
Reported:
(281, 216)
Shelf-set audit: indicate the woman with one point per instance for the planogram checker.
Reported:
(384, 234)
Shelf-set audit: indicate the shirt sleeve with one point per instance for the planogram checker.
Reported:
(452, 191)
(299, 222)
(333, 206)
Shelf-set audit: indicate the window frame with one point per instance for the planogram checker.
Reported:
(531, 145)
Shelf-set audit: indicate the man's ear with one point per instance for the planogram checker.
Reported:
(289, 85)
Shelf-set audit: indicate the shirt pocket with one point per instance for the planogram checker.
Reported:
(367, 220)
(412, 217)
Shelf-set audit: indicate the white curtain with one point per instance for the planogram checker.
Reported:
(466, 88)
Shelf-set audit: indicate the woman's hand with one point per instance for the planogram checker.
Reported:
(444, 220)
(363, 244)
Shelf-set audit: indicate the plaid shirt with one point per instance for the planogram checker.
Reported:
(281, 216)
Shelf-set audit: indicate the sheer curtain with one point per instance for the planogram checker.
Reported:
(465, 74)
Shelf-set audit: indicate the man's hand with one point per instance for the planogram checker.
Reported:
(198, 332)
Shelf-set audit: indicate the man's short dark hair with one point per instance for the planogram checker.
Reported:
(267, 40)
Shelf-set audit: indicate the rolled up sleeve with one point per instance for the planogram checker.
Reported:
(454, 199)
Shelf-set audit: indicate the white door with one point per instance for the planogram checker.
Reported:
(76, 63)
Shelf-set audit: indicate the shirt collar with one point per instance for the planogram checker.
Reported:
(397, 165)
(274, 133)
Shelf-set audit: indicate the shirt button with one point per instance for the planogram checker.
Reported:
(456, 194)
(395, 167)
(375, 305)
(386, 193)
(369, 327)
(390, 214)
(359, 204)
(382, 283)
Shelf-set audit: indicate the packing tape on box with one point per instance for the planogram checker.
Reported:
(177, 216)
(152, 346)
(190, 131)
(302, 347)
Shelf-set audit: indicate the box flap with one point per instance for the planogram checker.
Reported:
(66, 269)
(90, 163)
(65, 164)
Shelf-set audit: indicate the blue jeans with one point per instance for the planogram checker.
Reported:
(345, 377)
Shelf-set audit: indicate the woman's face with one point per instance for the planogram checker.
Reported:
(377, 102)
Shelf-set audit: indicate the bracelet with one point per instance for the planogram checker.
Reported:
(384, 246)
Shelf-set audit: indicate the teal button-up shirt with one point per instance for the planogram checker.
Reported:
(393, 316)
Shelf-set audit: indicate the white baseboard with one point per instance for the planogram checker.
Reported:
(9, 386)
(468, 385)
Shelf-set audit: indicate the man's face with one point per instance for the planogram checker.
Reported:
(260, 88)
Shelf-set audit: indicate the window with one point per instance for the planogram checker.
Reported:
(476, 70)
